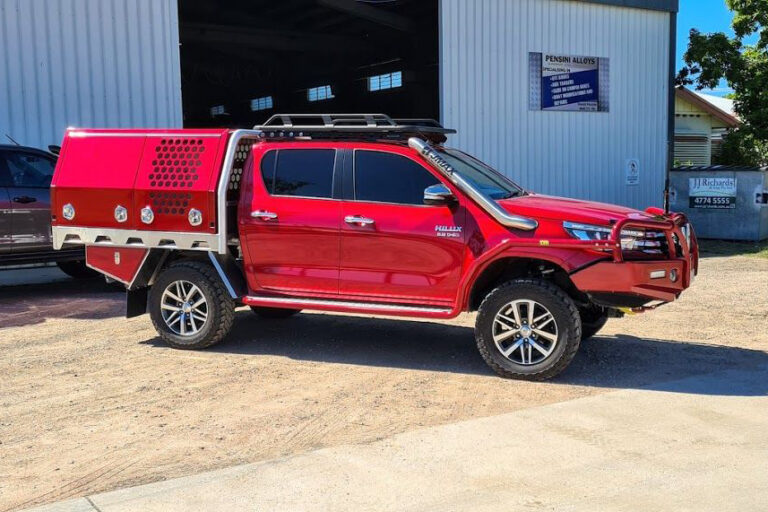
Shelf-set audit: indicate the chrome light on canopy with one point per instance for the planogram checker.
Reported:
(68, 211)
(195, 217)
(147, 215)
(121, 213)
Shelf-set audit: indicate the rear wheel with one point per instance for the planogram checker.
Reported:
(528, 329)
(77, 269)
(190, 307)
(265, 312)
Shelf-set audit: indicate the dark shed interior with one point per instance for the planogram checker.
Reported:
(244, 60)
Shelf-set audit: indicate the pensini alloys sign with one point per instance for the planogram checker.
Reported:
(561, 82)
(714, 193)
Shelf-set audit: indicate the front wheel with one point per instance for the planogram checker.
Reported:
(528, 329)
(190, 307)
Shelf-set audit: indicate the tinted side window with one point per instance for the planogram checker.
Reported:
(268, 169)
(390, 178)
(29, 169)
(5, 176)
(302, 172)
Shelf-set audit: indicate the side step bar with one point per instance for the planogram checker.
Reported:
(349, 306)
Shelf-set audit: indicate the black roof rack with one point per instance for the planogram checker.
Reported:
(335, 126)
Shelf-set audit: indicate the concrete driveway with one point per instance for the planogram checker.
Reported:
(693, 444)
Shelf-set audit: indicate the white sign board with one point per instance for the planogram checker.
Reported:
(714, 193)
(633, 171)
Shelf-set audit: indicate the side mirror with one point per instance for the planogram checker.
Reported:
(438, 195)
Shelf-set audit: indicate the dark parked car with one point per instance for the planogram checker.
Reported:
(25, 212)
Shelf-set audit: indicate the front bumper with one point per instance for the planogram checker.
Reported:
(620, 282)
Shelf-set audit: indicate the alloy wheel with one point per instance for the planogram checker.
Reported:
(184, 308)
(525, 332)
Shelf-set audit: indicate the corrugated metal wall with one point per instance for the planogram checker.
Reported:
(88, 63)
(484, 81)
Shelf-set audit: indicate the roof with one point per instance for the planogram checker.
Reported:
(653, 5)
(712, 105)
(724, 104)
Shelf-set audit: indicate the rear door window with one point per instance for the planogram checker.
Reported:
(389, 178)
(299, 172)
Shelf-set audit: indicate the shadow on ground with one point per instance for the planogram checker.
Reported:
(31, 304)
(603, 361)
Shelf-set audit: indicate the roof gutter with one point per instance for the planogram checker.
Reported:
(652, 5)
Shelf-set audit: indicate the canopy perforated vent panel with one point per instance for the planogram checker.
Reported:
(241, 155)
(176, 164)
(170, 203)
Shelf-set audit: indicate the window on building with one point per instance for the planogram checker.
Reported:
(218, 110)
(299, 172)
(692, 149)
(389, 178)
(385, 81)
(320, 93)
(263, 103)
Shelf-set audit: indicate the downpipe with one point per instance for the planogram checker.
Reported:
(487, 204)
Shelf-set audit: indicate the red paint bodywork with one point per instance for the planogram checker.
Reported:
(172, 171)
(120, 263)
(308, 252)
(400, 260)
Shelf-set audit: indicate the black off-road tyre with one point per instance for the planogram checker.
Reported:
(220, 306)
(77, 269)
(265, 312)
(561, 307)
(592, 320)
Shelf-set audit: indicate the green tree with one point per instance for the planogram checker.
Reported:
(713, 57)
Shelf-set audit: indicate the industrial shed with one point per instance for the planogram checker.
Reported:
(568, 97)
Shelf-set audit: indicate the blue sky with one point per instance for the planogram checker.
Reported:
(707, 16)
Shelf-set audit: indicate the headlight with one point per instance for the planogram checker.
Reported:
(587, 231)
(649, 242)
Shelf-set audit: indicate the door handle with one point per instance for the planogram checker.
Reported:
(263, 215)
(24, 199)
(358, 220)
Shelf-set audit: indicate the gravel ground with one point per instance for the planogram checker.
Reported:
(90, 401)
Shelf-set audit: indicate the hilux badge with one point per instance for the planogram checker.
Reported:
(448, 231)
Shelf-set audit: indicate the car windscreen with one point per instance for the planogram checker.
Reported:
(484, 178)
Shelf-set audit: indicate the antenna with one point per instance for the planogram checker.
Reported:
(11, 139)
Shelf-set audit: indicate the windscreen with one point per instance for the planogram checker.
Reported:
(487, 180)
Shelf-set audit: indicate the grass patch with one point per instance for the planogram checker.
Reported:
(728, 248)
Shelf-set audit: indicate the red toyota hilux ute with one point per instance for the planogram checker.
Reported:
(356, 213)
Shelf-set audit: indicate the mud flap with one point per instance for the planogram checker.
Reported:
(136, 302)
